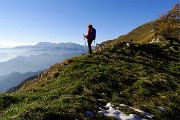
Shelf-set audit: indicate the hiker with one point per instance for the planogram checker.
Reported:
(90, 36)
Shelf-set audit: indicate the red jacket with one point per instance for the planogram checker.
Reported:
(89, 34)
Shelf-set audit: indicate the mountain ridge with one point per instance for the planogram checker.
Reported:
(142, 34)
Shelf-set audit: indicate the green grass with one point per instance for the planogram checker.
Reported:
(142, 34)
(143, 76)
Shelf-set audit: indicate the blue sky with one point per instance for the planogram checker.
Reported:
(31, 21)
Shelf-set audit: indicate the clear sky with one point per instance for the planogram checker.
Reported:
(32, 21)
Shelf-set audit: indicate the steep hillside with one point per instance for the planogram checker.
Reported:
(144, 76)
(142, 34)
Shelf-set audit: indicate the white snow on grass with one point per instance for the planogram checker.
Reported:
(116, 113)
(162, 109)
(137, 110)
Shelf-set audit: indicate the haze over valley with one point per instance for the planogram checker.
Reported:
(21, 60)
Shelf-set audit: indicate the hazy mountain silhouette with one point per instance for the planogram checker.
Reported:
(14, 79)
(31, 63)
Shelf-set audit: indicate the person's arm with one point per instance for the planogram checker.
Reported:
(89, 33)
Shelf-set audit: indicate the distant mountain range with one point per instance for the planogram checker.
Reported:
(25, 59)
(41, 48)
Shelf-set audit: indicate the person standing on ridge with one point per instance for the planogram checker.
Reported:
(90, 37)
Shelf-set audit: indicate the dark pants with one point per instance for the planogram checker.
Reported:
(89, 45)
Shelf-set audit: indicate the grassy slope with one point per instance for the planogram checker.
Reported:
(143, 33)
(143, 76)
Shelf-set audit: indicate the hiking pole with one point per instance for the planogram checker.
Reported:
(84, 39)
(94, 43)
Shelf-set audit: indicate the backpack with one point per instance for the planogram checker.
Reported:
(93, 34)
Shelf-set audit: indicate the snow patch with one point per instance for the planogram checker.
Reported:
(137, 110)
(155, 40)
(116, 113)
(162, 109)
